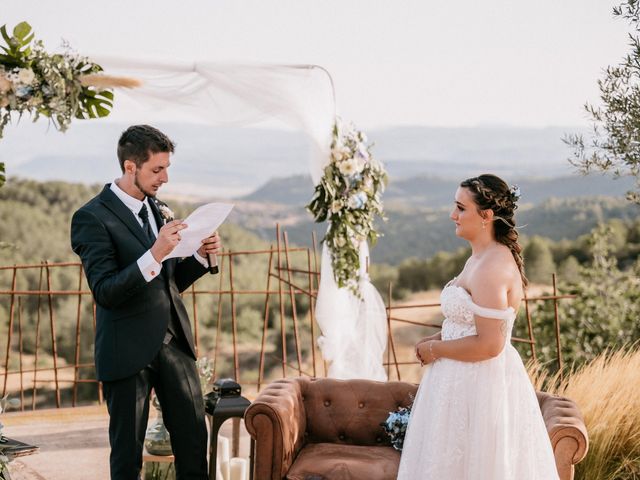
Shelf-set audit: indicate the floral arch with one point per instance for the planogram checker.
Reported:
(349, 180)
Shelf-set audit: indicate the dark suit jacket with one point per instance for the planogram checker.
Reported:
(132, 314)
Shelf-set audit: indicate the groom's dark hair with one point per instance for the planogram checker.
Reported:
(139, 141)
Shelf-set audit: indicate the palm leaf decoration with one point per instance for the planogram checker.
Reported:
(18, 48)
(40, 83)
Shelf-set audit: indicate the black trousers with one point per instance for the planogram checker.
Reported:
(174, 377)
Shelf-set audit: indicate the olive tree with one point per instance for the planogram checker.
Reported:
(614, 146)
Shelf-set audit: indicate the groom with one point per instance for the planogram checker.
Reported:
(143, 334)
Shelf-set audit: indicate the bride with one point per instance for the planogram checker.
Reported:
(476, 416)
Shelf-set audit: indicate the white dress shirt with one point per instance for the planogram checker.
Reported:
(148, 265)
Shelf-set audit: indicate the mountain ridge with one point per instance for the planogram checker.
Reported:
(232, 162)
(432, 191)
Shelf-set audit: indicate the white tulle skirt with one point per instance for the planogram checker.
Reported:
(477, 421)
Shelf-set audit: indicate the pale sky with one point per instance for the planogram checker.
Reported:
(402, 62)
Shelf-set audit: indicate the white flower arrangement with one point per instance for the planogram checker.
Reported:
(349, 195)
(514, 190)
(205, 372)
(52, 85)
(165, 211)
(59, 86)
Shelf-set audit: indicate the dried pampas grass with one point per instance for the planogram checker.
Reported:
(5, 85)
(108, 81)
(607, 391)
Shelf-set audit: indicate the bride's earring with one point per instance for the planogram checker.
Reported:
(484, 224)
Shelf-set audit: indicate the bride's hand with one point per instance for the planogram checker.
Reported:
(424, 351)
(435, 336)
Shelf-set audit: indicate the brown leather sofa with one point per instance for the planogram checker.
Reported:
(317, 429)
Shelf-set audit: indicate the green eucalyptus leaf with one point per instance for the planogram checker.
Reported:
(22, 31)
(5, 35)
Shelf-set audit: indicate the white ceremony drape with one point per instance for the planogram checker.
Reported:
(354, 331)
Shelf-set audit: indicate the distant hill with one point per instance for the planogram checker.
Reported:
(459, 152)
(208, 162)
(37, 216)
(423, 232)
(230, 162)
(433, 192)
(296, 190)
(266, 171)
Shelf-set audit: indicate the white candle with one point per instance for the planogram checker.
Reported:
(223, 457)
(224, 470)
(238, 468)
(223, 449)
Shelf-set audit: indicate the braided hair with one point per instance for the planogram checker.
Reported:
(492, 193)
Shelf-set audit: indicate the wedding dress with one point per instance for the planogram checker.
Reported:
(476, 420)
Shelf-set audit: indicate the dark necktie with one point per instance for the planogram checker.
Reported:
(146, 226)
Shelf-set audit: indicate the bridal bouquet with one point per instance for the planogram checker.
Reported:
(349, 196)
(53, 85)
(396, 426)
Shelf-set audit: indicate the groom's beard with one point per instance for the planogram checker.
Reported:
(137, 184)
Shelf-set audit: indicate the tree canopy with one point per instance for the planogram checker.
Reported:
(614, 146)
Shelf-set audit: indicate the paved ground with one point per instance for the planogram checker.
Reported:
(74, 443)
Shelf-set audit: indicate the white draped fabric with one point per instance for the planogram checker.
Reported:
(354, 331)
(301, 96)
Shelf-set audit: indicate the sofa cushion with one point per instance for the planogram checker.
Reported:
(330, 461)
(350, 411)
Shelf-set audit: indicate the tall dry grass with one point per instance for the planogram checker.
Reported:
(607, 391)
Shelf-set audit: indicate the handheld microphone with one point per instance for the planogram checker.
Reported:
(212, 259)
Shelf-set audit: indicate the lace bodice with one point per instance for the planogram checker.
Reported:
(459, 310)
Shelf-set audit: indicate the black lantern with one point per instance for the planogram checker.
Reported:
(223, 403)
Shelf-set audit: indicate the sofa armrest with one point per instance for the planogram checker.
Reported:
(567, 432)
(276, 420)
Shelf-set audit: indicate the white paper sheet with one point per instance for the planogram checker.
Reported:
(202, 222)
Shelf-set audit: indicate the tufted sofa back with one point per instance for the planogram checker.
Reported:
(341, 411)
(298, 422)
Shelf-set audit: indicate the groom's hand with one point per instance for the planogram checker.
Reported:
(210, 245)
(168, 238)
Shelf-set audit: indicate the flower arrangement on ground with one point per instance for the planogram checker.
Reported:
(396, 426)
(205, 372)
(5, 403)
(349, 196)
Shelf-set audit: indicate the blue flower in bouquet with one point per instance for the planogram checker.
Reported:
(355, 179)
(47, 91)
(396, 426)
(358, 200)
(24, 91)
(361, 153)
